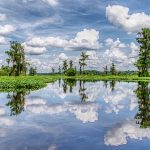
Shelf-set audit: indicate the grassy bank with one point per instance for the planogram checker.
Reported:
(36, 82)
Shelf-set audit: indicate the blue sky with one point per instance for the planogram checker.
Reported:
(54, 30)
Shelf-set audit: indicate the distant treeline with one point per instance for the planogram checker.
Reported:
(95, 72)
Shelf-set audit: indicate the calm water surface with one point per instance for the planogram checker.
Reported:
(70, 115)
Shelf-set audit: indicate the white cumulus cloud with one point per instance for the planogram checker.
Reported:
(114, 50)
(120, 17)
(34, 50)
(86, 39)
(6, 29)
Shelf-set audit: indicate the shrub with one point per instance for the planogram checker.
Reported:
(70, 72)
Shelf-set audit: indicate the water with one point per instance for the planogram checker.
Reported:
(70, 115)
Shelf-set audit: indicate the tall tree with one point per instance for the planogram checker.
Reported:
(82, 61)
(113, 69)
(70, 64)
(65, 65)
(16, 59)
(106, 70)
(59, 70)
(32, 71)
(80, 66)
(143, 62)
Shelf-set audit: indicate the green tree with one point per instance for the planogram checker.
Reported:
(4, 70)
(71, 64)
(106, 70)
(143, 62)
(16, 59)
(70, 72)
(80, 66)
(113, 69)
(59, 70)
(82, 61)
(65, 65)
(32, 71)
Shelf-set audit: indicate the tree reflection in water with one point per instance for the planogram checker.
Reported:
(82, 91)
(65, 87)
(16, 102)
(69, 84)
(105, 83)
(112, 85)
(143, 115)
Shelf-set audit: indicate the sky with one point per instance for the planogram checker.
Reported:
(55, 30)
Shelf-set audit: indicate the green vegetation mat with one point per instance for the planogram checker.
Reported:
(37, 82)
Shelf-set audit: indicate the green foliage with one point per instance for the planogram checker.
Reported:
(35, 82)
(82, 61)
(16, 102)
(143, 115)
(113, 69)
(92, 72)
(65, 66)
(32, 71)
(4, 70)
(25, 82)
(16, 59)
(71, 64)
(70, 72)
(59, 70)
(106, 70)
(143, 62)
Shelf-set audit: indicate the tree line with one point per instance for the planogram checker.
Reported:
(17, 64)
